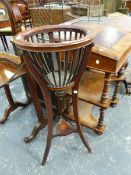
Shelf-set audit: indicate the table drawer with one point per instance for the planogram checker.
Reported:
(102, 63)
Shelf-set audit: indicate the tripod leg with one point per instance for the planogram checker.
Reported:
(48, 104)
(75, 111)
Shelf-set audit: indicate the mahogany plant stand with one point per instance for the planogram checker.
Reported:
(57, 66)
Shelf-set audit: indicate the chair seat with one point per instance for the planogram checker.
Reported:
(6, 72)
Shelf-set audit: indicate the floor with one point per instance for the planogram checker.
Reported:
(111, 151)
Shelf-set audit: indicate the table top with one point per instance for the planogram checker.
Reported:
(112, 42)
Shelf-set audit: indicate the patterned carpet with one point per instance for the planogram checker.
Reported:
(111, 151)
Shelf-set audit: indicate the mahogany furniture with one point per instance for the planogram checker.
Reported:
(121, 50)
(7, 59)
(103, 80)
(109, 55)
(15, 19)
(57, 65)
(123, 23)
(25, 15)
(8, 66)
(7, 31)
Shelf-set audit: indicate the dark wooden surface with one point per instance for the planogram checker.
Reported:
(108, 38)
(108, 58)
(71, 51)
(15, 21)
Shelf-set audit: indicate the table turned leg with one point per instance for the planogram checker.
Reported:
(41, 122)
(101, 120)
(105, 91)
(104, 97)
(120, 77)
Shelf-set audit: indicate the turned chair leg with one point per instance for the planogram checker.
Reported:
(78, 125)
(12, 105)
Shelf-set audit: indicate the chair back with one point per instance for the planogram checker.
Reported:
(56, 54)
(15, 16)
(22, 8)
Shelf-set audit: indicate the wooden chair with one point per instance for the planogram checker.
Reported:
(15, 18)
(26, 19)
(10, 63)
(56, 57)
(8, 67)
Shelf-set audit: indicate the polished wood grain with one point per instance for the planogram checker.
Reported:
(74, 44)
(13, 65)
(7, 71)
(109, 55)
(10, 58)
(15, 26)
(112, 57)
(109, 59)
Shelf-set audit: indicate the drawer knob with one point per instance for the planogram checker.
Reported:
(97, 61)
